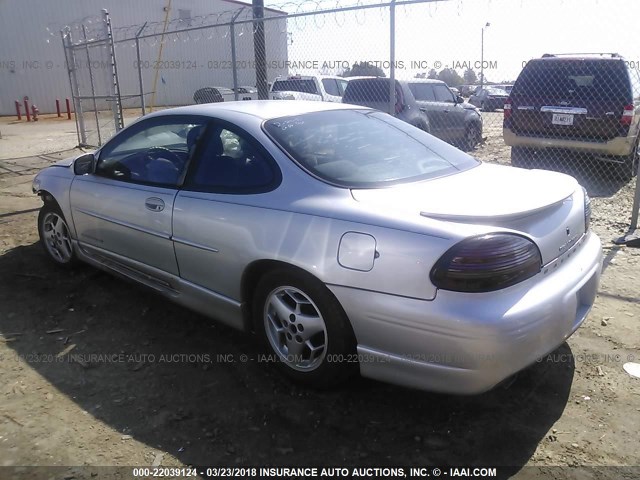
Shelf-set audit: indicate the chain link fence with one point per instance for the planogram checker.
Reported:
(479, 75)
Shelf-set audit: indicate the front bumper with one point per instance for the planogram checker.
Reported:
(467, 343)
(618, 146)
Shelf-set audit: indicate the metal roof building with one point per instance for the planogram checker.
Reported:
(180, 49)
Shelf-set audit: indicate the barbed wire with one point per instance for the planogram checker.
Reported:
(190, 29)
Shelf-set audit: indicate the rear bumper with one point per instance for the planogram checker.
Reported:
(618, 146)
(467, 343)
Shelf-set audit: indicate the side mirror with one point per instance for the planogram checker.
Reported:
(459, 99)
(84, 164)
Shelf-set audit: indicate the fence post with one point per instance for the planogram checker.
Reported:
(93, 89)
(140, 82)
(260, 50)
(631, 238)
(117, 109)
(70, 60)
(234, 66)
(392, 57)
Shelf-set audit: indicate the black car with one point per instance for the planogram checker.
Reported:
(489, 98)
(374, 92)
(451, 118)
(586, 104)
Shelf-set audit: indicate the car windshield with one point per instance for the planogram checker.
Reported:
(496, 91)
(362, 148)
(295, 85)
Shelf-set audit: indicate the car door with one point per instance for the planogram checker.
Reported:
(453, 112)
(218, 223)
(123, 211)
(426, 101)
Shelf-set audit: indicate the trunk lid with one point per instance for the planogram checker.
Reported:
(546, 206)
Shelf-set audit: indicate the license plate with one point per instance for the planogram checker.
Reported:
(562, 119)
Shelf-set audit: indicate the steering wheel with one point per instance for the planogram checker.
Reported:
(156, 152)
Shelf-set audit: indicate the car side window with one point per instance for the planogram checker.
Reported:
(157, 152)
(331, 86)
(443, 94)
(422, 92)
(231, 162)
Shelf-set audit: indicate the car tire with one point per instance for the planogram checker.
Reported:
(55, 236)
(305, 328)
(521, 157)
(472, 137)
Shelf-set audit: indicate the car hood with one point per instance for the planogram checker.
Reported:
(467, 106)
(542, 204)
(67, 162)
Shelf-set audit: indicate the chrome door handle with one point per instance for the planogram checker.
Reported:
(154, 204)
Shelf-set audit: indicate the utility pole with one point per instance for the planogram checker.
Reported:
(482, 55)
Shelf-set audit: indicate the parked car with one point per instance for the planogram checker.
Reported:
(576, 104)
(321, 88)
(348, 240)
(489, 98)
(504, 86)
(450, 117)
(374, 92)
(213, 95)
(467, 90)
(246, 93)
(247, 90)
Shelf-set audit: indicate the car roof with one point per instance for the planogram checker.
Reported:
(591, 57)
(402, 81)
(295, 76)
(425, 80)
(263, 109)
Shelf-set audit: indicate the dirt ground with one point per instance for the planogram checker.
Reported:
(99, 372)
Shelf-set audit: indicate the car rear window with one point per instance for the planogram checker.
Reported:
(295, 85)
(370, 90)
(580, 78)
(363, 148)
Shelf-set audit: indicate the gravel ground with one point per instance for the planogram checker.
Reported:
(180, 392)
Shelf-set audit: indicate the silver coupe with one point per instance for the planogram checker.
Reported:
(348, 240)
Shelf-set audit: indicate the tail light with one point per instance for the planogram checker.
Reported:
(487, 263)
(507, 109)
(627, 115)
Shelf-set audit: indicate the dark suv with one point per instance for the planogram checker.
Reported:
(588, 104)
(374, 92)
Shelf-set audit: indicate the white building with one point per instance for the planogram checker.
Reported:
(32, 61)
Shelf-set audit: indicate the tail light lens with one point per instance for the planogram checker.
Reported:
(627, 115)
(587, 210)
(507, 109)
(487, 263)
